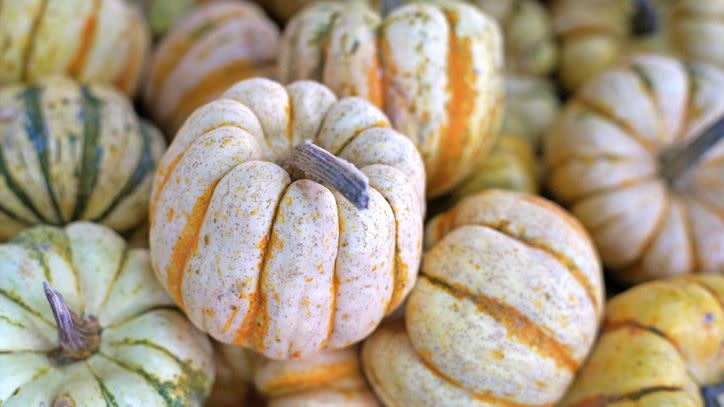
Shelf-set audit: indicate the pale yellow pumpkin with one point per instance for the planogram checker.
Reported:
(73, 152)
(122, 343)
(504, 312)
(661, 341)
(210, 49)
(531, 104)
(163, 14)
(328, 379)
(285, 267)
(604, 158)
(435, 69)
(104, 41)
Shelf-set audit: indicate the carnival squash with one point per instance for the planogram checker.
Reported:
(608, 157)
(435, 69)
(109, 334)
(287, 267)
(163, 14)
(103, 41)
(531, 104)
(210, 49)
(73, 152)
(504, 312)
(328, 379)
(661, 340)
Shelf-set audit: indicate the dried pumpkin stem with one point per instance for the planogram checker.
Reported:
(318, 164)
(676, 161)
(79, 337)
(713, 395)
(646, 20)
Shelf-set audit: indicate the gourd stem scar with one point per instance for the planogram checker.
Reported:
(319, 165)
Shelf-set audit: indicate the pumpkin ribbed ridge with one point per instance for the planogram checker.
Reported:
(505, 310)
(650, 356)
(602, 154)
(213, 47)
(290, 251)
(435, 69)
(73, 152)
(49, 37)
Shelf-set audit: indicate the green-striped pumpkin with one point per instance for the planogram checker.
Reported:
(145, 352)
(70, 152)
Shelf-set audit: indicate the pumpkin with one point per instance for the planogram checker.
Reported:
(505, 309)
(661, 340)
(530, 46)
(210, 49)
(511, 165)
(531, 104)
(162, 14)
(435, 69)
(71, 152)
(234, 374)
(250, 254)
(103, 41)
(608, 158)
(595, 34)
(111, 338)
(328, 379)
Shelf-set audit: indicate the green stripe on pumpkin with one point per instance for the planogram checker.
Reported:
(19, 193)
(109, 398)
(37, 130)
(20, 303)
(92, 153)
(145, 166)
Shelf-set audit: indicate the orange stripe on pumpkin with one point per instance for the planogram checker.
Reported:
(186, 245)
(78, 62)
(461, 79)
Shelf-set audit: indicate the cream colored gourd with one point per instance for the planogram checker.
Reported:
(328, 379)
(511, 165)
(163, 14)
(604, 157)
(504, 312)
(250, 253)
(103, 41)
(530, 46)
(145, 354)
(660, 343)
(73, 152)
(234, 376)
(435, 69)
(531, 104)
(214, 46)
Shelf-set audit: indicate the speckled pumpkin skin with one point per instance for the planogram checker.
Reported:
(661, 341)
(250, 254)
(602, 154)
(328, 379)
(209, 50)
(505, 310)
(44, 37)
(149, 355)
(435, 69)
(73, 152)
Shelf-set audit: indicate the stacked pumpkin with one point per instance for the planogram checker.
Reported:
(285, 220)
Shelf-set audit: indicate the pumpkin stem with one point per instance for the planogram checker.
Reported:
(389, 5)
(646, 19)
(321, 166)
(79, 337)
(713, 395)
(676, 161)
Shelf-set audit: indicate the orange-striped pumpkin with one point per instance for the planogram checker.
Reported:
(435, 69)
(661, 340)
(504, 312)
(212, 48)
(105, 41)
(328, 379)
(249, 253)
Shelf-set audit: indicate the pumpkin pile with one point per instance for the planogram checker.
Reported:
(349, 203)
